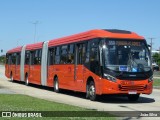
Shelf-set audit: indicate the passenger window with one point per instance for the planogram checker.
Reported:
(81, 51)
(18, 57)
(32, 57)
(7, 58)
(70, 59)
(57, 55)
(94, 54)
(64, 54)
(27, 57)
(87, 55)
(37, 57)
(94, 57)
(13, 59)
(51, 56)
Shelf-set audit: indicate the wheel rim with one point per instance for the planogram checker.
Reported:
(27, 81)
(56, 85)
(92, 91)
(11, 78)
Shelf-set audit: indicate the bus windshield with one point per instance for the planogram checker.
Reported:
(126, 55)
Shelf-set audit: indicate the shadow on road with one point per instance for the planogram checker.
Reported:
(116, 99)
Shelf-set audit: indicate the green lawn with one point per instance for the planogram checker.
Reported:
(156, 73)
(156, 82)
(15, 102)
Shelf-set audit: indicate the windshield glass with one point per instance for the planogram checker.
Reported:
(126, 55)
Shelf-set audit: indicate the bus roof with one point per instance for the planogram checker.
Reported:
(17, 49)
(106, 33)
(34, 46)
(97, 33)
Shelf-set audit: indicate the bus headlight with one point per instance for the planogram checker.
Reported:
(150, 79)
(109, 77)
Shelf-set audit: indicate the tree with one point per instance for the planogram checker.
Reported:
(2, 59)
(156, 58)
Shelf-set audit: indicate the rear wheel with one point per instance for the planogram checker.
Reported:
(26, 81)
(11, 77)
(133, 97)
(56, 85)
(92, 91)
(87, 91)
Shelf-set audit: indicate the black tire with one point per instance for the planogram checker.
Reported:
(56, 85)
(92, 91)
(87, 91)
(26, 81)
(11, 78)
(133, 97)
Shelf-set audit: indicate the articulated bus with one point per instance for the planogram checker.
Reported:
(95, 62)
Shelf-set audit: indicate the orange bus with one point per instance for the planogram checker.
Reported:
(96, 62)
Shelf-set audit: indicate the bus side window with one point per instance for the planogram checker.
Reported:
(94, 57)
(32, 57)
(81, 51)
(57, 55)
(27, 56)
(87, 55)
(7, 58)
(64, 54)
(37, 57)
(70, 58)
(18, 57)
(13, 59)
(51, 56)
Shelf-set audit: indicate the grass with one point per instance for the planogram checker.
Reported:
(156, 73)
(16, 102)
(156, 82)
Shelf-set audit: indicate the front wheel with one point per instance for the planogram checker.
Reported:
(91, 93)
(56, 85)
(133, 97)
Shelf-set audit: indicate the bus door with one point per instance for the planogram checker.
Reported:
(31, 66)
(9, 64)
(37, 66)
(13, 65)
(79, 68)
(17, 67)
(69, 67)
(50, 68)
(27, 63)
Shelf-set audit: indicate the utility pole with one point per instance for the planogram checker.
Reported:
(151, 39)
(151, 43)
(35, 30)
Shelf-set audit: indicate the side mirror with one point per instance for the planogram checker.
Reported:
(149, 47)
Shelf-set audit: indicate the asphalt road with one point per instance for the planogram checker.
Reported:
(105, 103)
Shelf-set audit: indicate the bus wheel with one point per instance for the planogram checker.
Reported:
(26, 81)
(92, 91)
(56, 85)
(11, 77)
(133, 97)
(87, 91)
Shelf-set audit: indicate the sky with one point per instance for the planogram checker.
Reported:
(59, 18)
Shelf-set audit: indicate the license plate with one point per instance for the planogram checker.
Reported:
(132, 92)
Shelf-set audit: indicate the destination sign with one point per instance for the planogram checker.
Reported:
(124, 43)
